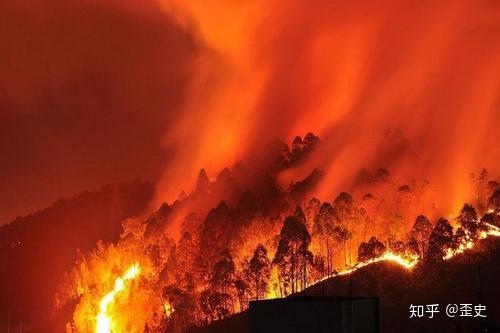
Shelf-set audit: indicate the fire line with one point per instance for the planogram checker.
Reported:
(104, 320)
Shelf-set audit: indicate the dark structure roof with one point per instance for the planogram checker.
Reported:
(304, 314)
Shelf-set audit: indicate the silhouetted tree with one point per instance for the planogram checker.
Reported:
(494, 202)
(203, 182)
(398, 247)
(312, 209)
(370, 250)
(217, 231)
(292, 254)
(460, 237)
(310, 142)
(222, 280)
(343, 205)
(420, 234)
(213, 304)
(323, 231)
(259, 271)
(468, 220)
(299, 214)
(182, 307)
(490, 219)
(242, 289)
(440, 240)
(296, 149)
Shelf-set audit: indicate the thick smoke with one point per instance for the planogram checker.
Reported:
(408, 86)
(87, 89)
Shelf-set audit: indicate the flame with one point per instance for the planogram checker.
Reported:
(104, 320)
(407, 262)
(468, 243)
(168, 309)
(492, 231)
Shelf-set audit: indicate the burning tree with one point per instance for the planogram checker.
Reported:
(258, 272)
(440, 241)
(293, 255)
(420, 234)
(494, 202)
(468, 221)
(222, 282)
(323, 231)
(370, 250)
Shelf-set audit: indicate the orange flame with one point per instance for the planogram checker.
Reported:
(468, 243)
(407, 262)
(104, 319)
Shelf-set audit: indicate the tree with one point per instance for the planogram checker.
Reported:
(459, 238)
(223, 272)
(319, 270)
(292, 254)
(398, 248)
(482, 190)
(343, 205)
(468, 220)
(217, 231)
(203, 183)
(296, 151)
(299, 214)
(222, 281)
(350, 217)
(259, 271)
(242, 288)
(311, 210)
(310, 142)
(420, 233)
(180, 260)
(322, 230)
(213, 304)
(341, 235)
(181, 304)
(440, 241)
(494, 203)
(370, 250)
(489, 219)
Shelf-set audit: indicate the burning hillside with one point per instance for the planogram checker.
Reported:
(244, 237)
(396, 163)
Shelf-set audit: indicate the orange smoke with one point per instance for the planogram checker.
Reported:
(412, 87)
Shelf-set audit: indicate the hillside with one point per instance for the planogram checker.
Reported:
(453, 282)
(41, 246)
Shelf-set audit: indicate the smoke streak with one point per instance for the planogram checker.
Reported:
(412, 87)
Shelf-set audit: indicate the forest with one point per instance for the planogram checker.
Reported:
(244, 237)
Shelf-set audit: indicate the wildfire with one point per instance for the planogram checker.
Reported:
(492, 231)
(407, 261)
(468, 243)
(104, 320)
(168, 309)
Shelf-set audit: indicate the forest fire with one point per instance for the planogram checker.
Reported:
(261, 241)
(104, 320)
(283, 144)
(468, 243)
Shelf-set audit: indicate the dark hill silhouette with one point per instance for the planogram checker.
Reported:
(35, 250)
(468, 278)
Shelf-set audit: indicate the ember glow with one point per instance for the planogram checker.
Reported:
(104, 319)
